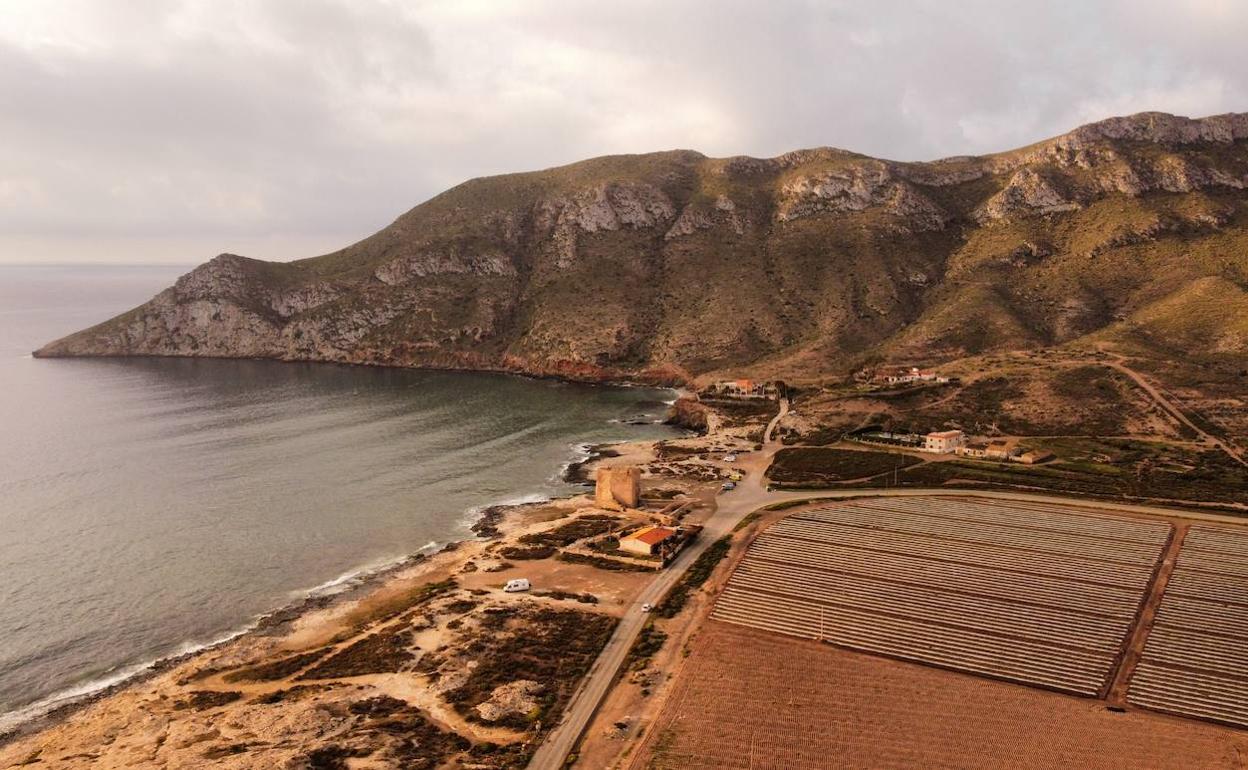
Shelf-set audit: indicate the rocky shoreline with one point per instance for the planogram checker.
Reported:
(199, 689)
(268, 624)
(487, 527)
(324, 618)
(490, 526)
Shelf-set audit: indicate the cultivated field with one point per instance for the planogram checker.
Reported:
(1033, 593)
(752, 699)
(1195, 662)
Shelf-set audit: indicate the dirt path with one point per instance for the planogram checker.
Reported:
(407, 686)
(1134, 648)
(771, 426)
(1118, 365)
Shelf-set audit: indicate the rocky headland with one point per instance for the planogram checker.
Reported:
(673, 267)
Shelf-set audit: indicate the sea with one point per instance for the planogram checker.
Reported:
(152, 506)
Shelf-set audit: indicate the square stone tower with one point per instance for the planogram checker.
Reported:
(617, 488)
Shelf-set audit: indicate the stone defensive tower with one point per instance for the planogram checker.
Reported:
(618, 488)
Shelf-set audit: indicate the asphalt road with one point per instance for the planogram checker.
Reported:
(750, 495)
(731, 507)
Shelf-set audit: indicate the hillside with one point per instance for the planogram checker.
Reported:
(1131, 232)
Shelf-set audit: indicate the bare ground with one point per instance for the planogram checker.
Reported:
(749, 699)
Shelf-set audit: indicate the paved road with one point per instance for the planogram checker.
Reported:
(733, 506)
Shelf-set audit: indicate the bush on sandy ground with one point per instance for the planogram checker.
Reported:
(676, 599)
(819, 466)
(381, 653)
(551, 646)
(581, 527)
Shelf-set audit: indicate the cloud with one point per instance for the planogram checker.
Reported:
(174, 129)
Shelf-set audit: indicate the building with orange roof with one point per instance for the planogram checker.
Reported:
(647, 541)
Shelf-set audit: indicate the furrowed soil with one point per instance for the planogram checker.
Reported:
(749, 699)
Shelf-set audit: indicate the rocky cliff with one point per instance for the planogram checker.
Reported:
(669, 266)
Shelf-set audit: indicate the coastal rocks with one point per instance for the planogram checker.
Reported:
(688, 413)
(201, 327)
(304, 298)
(486, 525)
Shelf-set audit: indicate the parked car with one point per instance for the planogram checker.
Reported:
(647, 607)
(728, 486)
(730, 458)
(517, 585)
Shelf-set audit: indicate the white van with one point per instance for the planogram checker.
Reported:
(516, 585)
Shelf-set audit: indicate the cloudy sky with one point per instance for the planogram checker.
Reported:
(171, 130)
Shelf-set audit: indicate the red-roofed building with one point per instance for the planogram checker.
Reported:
(647, 541)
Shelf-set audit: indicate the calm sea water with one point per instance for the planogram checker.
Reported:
(151, 505)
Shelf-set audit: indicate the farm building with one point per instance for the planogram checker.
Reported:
(904, 376)
(743, 389)
(943, 441)
(999, 449)
(975, 449)
(908, 440)
(647, 541)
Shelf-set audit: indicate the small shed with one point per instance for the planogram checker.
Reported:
(646, 541)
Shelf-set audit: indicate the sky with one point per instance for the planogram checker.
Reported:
(167, 131)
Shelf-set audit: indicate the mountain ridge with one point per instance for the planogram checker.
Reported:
(673, 266)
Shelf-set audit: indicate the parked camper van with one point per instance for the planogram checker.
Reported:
(517, 585)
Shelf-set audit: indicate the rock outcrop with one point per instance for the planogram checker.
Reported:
(669, 266)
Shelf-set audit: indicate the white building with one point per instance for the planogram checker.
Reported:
(913, 374)
(943, 442)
